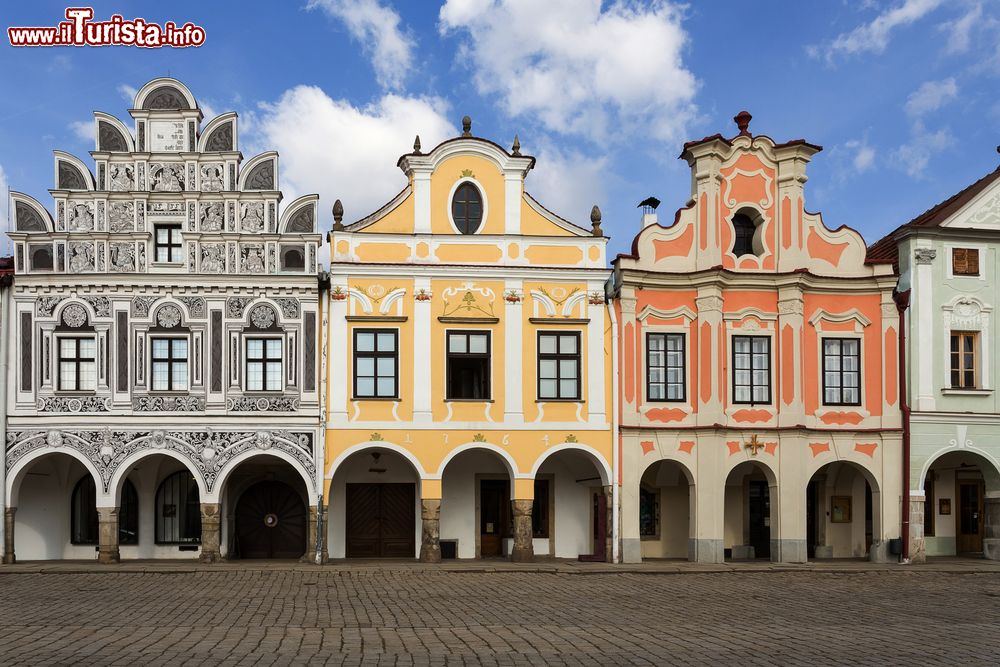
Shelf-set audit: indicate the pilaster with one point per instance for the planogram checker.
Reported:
(422, 411)
(211, 533)
(788, 336)
(107, 535)
(710, 411)
(513, 353)
(8, 536)
(922, 336)
(430, 530)
(523, 551)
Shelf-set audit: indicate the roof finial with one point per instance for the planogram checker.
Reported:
(595, 221)
(516, 148)
(338, 216)
(416, 145)
(743, 122)
(466, 126)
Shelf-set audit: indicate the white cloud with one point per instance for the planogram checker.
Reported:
(874, 36)
(931, 96)
(863, 155)
(567, 182)
(127, 92)
(83, 130)
(914, 156)
(377, 27)
(341, 151)
(959, 31)
(578, 69)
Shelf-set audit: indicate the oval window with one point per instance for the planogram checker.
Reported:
(467, 208)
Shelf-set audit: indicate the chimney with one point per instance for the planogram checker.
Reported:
(648, 207)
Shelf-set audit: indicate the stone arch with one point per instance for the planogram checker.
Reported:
(72, 173)
(72, 305)
(376, 444)
(769, 472)
(828, 538)
(665, 510)
(122, 471)
(220, 481)
(29, 215)
(508, 461)
(219, 134)
(299, 217)
(16, 474)
(595, 457)
(260, 172)
(112, 135)
(990, 471)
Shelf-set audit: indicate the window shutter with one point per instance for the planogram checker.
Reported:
(972, 262)
(959, 261)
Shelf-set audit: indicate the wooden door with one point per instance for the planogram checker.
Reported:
(381, 521)
(970, 517)
(494, 516)
(599, 527)
(760, 518)
(270, 522)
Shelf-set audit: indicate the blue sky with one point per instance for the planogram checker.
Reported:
(904, 95)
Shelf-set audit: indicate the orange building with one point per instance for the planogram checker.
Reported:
(759, 391)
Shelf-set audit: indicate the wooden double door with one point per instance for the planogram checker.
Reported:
(270, 522)
(381, 521)
(969, 538)
(495, 522)
(759, 497)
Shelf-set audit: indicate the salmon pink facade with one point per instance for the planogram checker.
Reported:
(759, 382)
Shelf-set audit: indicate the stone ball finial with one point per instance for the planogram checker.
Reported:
(516, 148)
(466, 126)
(743, 122)
(595, 221)
(416, 144)
(338, 216)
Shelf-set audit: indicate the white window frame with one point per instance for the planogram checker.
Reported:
(57, 379)
(486, 205)
(247, 361)
(149, 346)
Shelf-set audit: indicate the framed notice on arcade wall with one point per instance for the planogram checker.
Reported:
(840, 509)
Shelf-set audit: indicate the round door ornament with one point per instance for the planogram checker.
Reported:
(270, 520)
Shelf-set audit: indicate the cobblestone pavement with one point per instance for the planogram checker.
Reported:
(400, 617)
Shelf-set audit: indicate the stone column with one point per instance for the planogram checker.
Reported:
(107, 535)
(991, 526)
(8, 542)
(324, 535)
(523, 551)
(312, 526)
(918, 543)
(211, 533)
(430, 530)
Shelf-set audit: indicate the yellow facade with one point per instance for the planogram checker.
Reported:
(408, 271)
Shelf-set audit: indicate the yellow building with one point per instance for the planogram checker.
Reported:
(471, 326)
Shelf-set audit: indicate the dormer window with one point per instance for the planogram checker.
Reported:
(467, 208)
(744, 229)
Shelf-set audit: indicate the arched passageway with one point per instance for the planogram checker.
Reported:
(477, 512)
(750, 512)
(962, 506)
(374, 506)
(666, 510)
(843, 512)
(570, 515)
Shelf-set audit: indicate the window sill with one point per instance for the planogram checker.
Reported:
(74, 392)
(660, 401)
(382, 399)
(966, 392)
(469, 400)
(559, 400)
(838, 406)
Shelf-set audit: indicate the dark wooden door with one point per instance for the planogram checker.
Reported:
(970, 517)
(760, 513)
(494, 516)
(270, 522)
(599, 528)
(381, 520)
(812, 535)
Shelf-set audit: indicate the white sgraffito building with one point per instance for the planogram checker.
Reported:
(163, 394)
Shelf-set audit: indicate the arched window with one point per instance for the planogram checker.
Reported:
(744, 228)
(293, 259)
(83, 515)
(178, 510)
(467, 208)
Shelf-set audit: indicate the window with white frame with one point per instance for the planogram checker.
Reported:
(169, 364)
(77, 364)
(841, 371)
(468, 365)
(376, 363)
(559, 366)
(665, 377)
(167, 244)
(752, 369)
(263, 364)
(964, 361)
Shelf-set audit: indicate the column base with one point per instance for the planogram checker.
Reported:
(430, 553)
(8, 559)
(991, 548)
(789, 551)
(523, 551)
(631, 550)
(108, 557)
(210, 557)
(522, 555)
(706, 551)
(879, 553)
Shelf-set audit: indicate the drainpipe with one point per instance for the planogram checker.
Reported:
(615, 439)
(902, 300)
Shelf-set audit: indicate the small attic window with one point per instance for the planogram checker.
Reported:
(744, 230)
(467, 208)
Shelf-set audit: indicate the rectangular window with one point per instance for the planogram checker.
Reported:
(168, 243)
(170, 367)
(841, 371)
(965, 261)
(263, 364)
(468, 365)
(751, 369)
(665, 377)
(964, 346)
(540, 510)
(559, 366)
(77, 364)
(376, 363)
